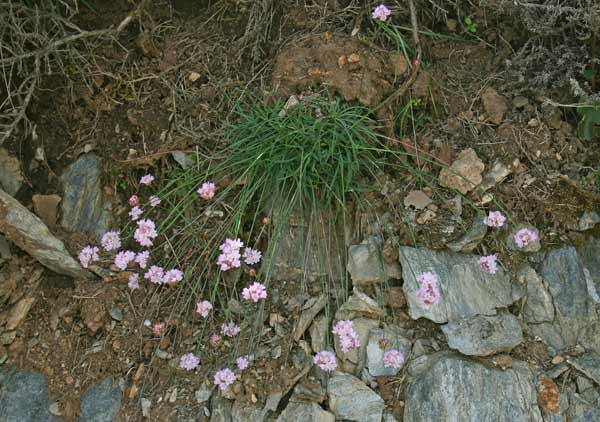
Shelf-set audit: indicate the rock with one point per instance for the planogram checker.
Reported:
(84, 209)
(394, 297)
(46, 207)
(309, 390)
(204, 392)
(93, 314)
(318, 333)
(4, 249)
(24, 396)
(7, 337)
(590, 257)
(309, 311)
(359, 304)
(220, 409)
(116, 313)
(29, 233)
(495, 105)
(182, 159)
(538, 302)
(366, 264)
(471, 238)
(466, 290)
(530, 248)
(350, 399)
(389, 338)
(354, 359)
(299, 411)
(448, 387)
(11, 178)
(55, 409)
(548, 397)
(241, 410)
(465, 172)
(520, 101)
(101, 403)
(580, 410)
(497, 174)
(417, 199)
(146, 407)
(588, 220)
(19, 312)
(484, 335)
(588, 364)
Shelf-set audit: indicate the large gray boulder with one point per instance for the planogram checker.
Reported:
(101, 402)
(351, 400)
(301, 411)
(24, 397)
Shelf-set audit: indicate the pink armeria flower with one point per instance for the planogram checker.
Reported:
(525, 237)
(123, 258)
(343, 328)
(255, 292)
(134, 200)
(495, 219)
(189, 362)
(252, 256)
(215, 340)
(111, 241)
(147, 179)
(204, 308)
(88, 255)
(489, 263)
(428, 293)
(155, 275)
(154, 201)
(158, 329)
(349, 339)
(142, 259)
(172, 276)
(224, 378)
(230, 254)
(393, 358)
(145, 232)
(207, 190)
(134, 281)
(230, 329)
(326, 361)
(381, 12)
(243, 362)
(135, 213)
(427, 278)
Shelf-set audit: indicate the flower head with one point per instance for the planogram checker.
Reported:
(230, 329)
(525, 237)
(381, 12)
(189, 362)
(145, 232)
(224, 378)
(230, 254)
(155, 274)
(255, 292)
(489, 263)
(204, 308)
(428, 294)
(215, 340)
(207, 190)
(158, 329)
(111, 241)
(393, 358)
(123, 258)
(134, 281)
(154, 201)
(142, 259)
(147, 179)
(252, 256)
(326, 361)
(172, 276)
(88, 255)
(135, 213)
(494, 219)
(134, 200)
(243, 362)
(343, 328)
(349, 339)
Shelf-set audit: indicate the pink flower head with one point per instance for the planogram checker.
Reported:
(142, 259)
(489, 263)
(349, 339)
(252, 256)
(428, 294)
(111, 241)
(381, 12)
(155, 275)
(255, 292)
(230, 254)
(154, 201)
(224, 378)
(172, 276)
(393, 358)
(494, 219)
(207, 190)
(189, 362)
(145, 232)
(123, 258)
(135, 213)
(88, 255)
(427, 278)
(525, 237)
(230, 329)
(326, 361)
(158, 329)
(343, 328)
(215, 340)
(147, 179)
(134, 200)
(243, 362)
(134, 281)
(204, 308)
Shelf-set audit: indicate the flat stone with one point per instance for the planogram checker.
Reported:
(11, 178)
(318, 333)
(484, 335)
(350, 399)
(203, 393)
(299, 411)
(495, 175)
(359, 305)
(471, 239)
(589, 364)
(46, 207)
(220, 409)
(366, 264)
(465, 172)
(241, 410)
(581, 410)
(394, 338)
(101, 403)
(309, 312)
(466, 290)
(590, 258)
(448, 387)
(495, 105)
(417, 199)
(538, 302)
(19, 312)
(588, 220)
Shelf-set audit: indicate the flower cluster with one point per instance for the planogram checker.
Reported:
(142, 259)
(349, 339)
(255, 292)
(224, 378)
(111, 241)
(393, 358)
(243, 362)
(326, 361)
(134, 281)
(381, 13)
(204, 308)
(154, 201)
(158, 275)
(189, 362)
(428, 293)
(525, 237)
(207, 191)
(135, 213)
(230, 329)
(230, 254)
(252, 256)
(489, 263)
(494, 219)
(88, 255)
(147, 179)
(123, 258)
(145, 232)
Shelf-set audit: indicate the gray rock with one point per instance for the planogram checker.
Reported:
(102, 402)
(299, 411)
(116, 313)
(451, 388)
(352, 360)
(4, 249)
(203, 393)
(471, 239)
(359, 305)
(366, 264)
(309, 311)
(241, 410)
(588, 364)
(220, 409)
(24, 397)
(538, 302)
(318, 333)
(395, 340)
(466, 290)
(588, 220)
(350, 399)
(484, 335)
(590, 257)
(28, 232)
(580, 410)
(146, 407)
(84, 209)
(530, 248)
(11, 178)
(183, 159)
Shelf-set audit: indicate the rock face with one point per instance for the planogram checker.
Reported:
(353, 360)
(484, 335)
(350, 399)
(394, 339)
(299, 411)
(11, 178)
(465, 172)
(366, 265)
(588, 364)
(466, 290)
(539, 307)
(101, 403)
(84, 208)
(29, 233)
(450, 388)
(471, 238)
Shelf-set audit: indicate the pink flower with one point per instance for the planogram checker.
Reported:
(135, 213)
(326, 361)
(147, 179)
(111, 240)
(123, 258)
(349, 339)
(204, 308)
(134, 200)
(255, 292)
(428, 294)
(224, 378)
(155, 275)
(525, 237)
(154, 201)
(393, 358)
(427, 278)
(242, 363)
(488, 263)
(215, 340)
(134, 281)
(158, 329)
(142, 259)
(88, 255)
(230, 329)
(343, 328)
(207, 190)
(252, 256)
(172, 276)
(230, 254)
(494, 219)
(381, 12)
(145, 232)
(189, 362)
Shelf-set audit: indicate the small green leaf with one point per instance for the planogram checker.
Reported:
(589, 74)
